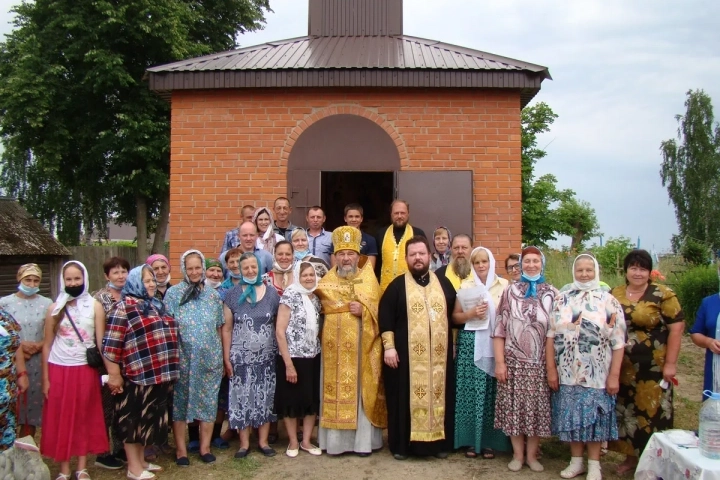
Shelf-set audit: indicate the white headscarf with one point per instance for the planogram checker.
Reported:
(84, 300)
(484, 355)
(311, 313)
(593, 284)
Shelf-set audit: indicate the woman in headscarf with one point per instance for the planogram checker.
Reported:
(213, 273)
(655, 325)
(141, 342)
(13, 377)
(301, 251)
(28, 308)
(249, 350)
(72, 423)
(232, 263)
(442, 240)
(267, 238)
(522, 407)
(705, 333)
(281, 275)
(476, 387)
(198, 312)
(161, 268)
(297, 395)
(585, 345)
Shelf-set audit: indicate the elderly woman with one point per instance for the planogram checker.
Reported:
(198, 312)
(72, 423)
(213, 273)
(655, 324)
(232, 262)
(705, 333)
(297, 394)
(28, 309)
(267, 238)
(249, 350)
(281, 275)
(476, 386)
(161, 268)
(141, 342)
(301, 248)
(13, 377)
(522, 408)
(584, 350)
(512, 267)
(442, 240)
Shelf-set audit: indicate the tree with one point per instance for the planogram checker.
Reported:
(578, 221)
(83, 135)
(540, 220)
(691, 171)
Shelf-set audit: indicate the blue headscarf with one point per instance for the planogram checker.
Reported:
(534, 280)
(134, 287)
(250, 285)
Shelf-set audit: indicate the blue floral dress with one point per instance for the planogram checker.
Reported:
(9, 344)
(201, 363)
(29, 313)
(252, 354)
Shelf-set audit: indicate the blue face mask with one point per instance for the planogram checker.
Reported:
(250, 281)
(112, 286)
(236, 276)
(300, 254)
(29, 291)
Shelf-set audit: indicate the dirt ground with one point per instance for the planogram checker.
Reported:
(382, 465)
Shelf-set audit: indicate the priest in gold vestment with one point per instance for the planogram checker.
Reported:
(418, 368)
(353, 409)
(391, 243)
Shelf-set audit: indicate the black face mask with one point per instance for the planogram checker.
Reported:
(75, 291)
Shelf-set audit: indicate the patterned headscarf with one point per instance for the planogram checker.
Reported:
(534, 280)
(134, 287)
(311, 313)
(154, 258)
(443, 257)
(249, 290)
(268, 238)
(27, 270)
(212, 262)
(193, 290)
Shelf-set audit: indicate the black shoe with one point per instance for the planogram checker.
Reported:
(208, 458)
(182, 462)
(397, 456)
(272, 438)
(267, 451)
(122, 456)
(364, 454)
(442, 455)
(241, 453)
(108, 462)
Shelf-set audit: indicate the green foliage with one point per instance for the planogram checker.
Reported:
(578, 221)
(558, 270)
(611, 255)
(691, 171)
(83, 135)
(694, 285)
(695, 252)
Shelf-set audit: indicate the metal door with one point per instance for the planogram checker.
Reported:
(304, 192)
(438, 198)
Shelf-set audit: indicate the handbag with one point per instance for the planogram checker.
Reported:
(94, 358)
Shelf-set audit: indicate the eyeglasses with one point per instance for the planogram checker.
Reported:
(513, 267)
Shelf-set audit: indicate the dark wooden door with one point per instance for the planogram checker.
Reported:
(304, 190)
(438, 198)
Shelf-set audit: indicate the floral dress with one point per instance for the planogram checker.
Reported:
(29, 313)
(201, 363)
(9, 344)
(643, 407)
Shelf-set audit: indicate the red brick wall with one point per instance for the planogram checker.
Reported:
(230, 148)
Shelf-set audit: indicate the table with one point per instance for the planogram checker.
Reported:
(663, 459)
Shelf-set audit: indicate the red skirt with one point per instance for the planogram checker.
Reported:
(72, 423)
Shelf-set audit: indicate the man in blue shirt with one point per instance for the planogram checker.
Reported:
(245, 239)
(319, 241)
(368, 245)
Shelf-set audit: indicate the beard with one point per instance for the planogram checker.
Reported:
(419, 270)
(461, 267)
(399, 223)
(347, 271)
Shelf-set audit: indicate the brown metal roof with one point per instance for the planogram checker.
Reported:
(330, 18)
(20, 234)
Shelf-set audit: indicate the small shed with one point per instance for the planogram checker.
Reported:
(24, 240)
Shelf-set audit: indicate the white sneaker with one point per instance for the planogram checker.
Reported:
(145, 475)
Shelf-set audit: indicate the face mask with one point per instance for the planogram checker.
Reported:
(299, 255)
(212, 283)
(534, 278)
(75, 291)
(584, 284)
(236, 276)
(164, 284)
(29, 291)
(250, 281)
(112, 286)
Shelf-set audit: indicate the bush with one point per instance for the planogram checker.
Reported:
(611, 255)
(695, 252)
(694, 285)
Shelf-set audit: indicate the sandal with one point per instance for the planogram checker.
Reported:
(82, 472)
(63, 476)
(470, 453)
(487, 453)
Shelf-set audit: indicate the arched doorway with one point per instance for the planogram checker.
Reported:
(343, 159)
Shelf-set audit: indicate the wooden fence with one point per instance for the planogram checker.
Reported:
(94, 257)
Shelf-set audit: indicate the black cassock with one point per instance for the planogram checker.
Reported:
(393, 318)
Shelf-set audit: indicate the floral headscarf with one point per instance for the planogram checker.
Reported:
(311, 322)
(193, 290)
(443, 258)
(134, 287)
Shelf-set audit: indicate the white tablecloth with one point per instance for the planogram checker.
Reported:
(663, 459)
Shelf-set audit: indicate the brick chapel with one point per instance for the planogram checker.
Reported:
(356, 111)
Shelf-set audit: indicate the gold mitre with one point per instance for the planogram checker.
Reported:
(346, 238)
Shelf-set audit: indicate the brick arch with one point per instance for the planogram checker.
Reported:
(340, 110)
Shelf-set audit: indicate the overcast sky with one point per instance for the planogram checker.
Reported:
(620, 73)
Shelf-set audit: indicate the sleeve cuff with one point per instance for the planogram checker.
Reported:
(388, 340)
